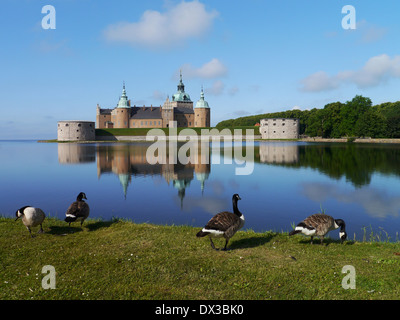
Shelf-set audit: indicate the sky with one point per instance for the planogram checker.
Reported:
(251, 57)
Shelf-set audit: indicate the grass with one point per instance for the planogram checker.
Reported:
(119, 259)
(144, 131)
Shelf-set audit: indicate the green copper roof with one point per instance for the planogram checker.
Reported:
(202, 103)
(181, 95)
(123, 100)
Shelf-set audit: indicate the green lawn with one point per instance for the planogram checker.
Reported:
(144, 131)
(123, 260)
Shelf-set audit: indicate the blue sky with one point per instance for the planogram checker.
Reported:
(251, 57)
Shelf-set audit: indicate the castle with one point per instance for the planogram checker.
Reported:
(279, 128)
(179, 110)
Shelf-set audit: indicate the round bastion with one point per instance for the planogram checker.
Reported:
(76, 130)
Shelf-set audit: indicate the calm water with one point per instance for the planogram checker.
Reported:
(290, 180)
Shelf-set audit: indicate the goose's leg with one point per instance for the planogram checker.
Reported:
(212, 244)
(41, 229)
(226, 243)
(312, 239)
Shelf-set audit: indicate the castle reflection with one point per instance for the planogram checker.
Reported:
(130, 160)
(279, 153)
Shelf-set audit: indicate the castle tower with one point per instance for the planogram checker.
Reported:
(181, 95)
(122, 112)
(202, 113)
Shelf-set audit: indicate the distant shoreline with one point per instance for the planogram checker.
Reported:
(103, 139)
(352, 140)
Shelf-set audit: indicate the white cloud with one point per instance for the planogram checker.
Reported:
(164, 29)
(377, 70)
(370, 33)
(233, 90)
(319, 81)
(216, 89)
(376, 203)
(210, 70)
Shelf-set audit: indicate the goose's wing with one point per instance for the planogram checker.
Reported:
(222, 221)
(320, 222)
(78, 209)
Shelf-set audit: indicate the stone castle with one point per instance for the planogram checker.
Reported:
(279, 128)
(177, 112)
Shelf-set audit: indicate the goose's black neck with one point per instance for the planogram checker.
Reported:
(341, 224)
(235, 207)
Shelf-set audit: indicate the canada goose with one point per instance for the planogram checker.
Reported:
(78, 210)
(319, 225)
(224, 224)
(31, 217)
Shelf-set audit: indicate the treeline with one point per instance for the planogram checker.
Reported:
(355, 118)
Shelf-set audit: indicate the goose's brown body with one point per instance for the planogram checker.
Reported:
(224, 224)
(319, 225)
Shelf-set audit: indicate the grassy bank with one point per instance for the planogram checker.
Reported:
(144, 131)
(123, 260)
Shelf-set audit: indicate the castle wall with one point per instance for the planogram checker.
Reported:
(279, 128)
(75, 130)
(202, 117)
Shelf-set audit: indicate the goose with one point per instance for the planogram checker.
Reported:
(224, 224)
(319, 225)
(31, 217)
(78, 210)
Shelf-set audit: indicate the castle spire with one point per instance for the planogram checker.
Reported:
(123, 100)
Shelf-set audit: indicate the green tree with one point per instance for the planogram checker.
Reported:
(370, 124)
(393, 127)
(350, 113)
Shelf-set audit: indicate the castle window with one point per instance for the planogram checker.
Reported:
(283, 124)
(274, 124)
(79, 125)
(66, 124)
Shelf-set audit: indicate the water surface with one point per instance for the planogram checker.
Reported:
(359, 183)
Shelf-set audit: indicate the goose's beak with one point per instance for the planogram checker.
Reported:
(16, 219)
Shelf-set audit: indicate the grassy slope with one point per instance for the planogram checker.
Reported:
(123, 260)
(144, 131)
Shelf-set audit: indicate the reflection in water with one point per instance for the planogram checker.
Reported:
(356, 162)
(69, 153)
(358, 182)
(279, 153)
(127, 160)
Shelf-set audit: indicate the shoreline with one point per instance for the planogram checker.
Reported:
(352, 140)
(107, 139)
